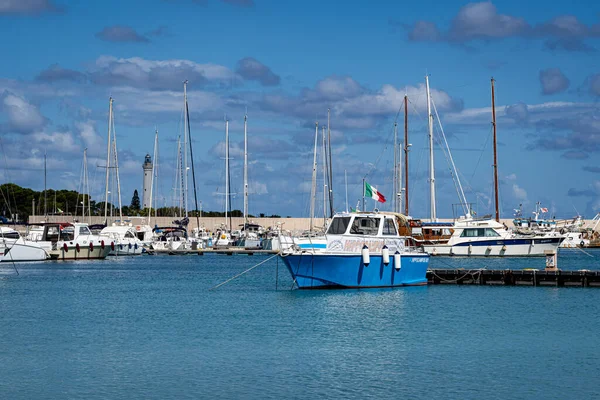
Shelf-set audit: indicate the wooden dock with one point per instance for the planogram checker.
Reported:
(508, 277)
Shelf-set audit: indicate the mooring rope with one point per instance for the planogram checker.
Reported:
(473, 272)
(242, 273)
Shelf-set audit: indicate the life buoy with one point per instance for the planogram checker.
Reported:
(102, 244)
(91, 246)
(582, 243)
(137, 227)
(77, 247)
(223, 237)
(65, 247)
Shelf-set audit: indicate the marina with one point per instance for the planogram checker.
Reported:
(150, 326)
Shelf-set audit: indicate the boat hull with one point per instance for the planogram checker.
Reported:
(84, 253)
(313, 271)
(22, 251)
(521, 247)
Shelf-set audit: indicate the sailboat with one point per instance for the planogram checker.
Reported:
(121, 233)
(488, 237)
(223, 234)
(175, 239)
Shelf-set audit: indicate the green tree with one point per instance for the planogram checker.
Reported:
(135, 201)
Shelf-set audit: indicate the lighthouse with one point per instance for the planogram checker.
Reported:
(147, 184)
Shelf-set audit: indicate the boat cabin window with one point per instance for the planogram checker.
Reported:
(67, 233)
(389, 228)
(84, 230)
(338, 225)
(479, 232)
(365, 226)
(10, 235)
(128, 234)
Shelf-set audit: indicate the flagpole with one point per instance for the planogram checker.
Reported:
(363, 195)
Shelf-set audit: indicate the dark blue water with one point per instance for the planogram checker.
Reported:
(148, 327)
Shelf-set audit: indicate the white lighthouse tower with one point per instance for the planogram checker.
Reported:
(147, 166)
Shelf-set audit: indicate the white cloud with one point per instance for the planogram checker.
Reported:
(23, 117)
(519, 193)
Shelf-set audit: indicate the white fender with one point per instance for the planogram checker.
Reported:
(385, 254)
(397, 261)
(366, 258)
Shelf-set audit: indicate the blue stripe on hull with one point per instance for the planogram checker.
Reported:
(320, 271)
(510, 242)
(313, 245)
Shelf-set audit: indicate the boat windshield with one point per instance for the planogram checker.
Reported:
(338, 225)
(365, 226)
(84, 230)
(389, 228)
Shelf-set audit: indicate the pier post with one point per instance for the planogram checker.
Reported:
(551, 260)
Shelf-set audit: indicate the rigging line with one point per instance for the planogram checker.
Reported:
(242, 273)
(481, 154)
(457, 183)
(193, 172)
(7, 198)
(374, 166)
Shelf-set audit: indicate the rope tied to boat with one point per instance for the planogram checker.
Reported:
(242, 273)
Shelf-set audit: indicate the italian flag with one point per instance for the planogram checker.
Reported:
(373, 193)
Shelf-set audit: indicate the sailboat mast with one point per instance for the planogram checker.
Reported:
(399, 179)
(324, 152)
(187, 113)
(433, 215)
(179, 177)
(110, 102)
(45, 179)
(245, 172)
(330, 166)
(395, 191)
(117, 172)
(226, 171)
(406, 145)
(314, 180)
(86, 185)
(185, 145)
(495, 153)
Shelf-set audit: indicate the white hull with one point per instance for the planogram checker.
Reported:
(22, 250)
(281, 242)
(493, 250)
(574, 240)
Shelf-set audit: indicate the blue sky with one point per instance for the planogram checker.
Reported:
(286, 63)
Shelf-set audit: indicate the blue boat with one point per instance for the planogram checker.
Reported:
(363, 250)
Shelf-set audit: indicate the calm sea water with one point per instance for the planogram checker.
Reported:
(149, 327)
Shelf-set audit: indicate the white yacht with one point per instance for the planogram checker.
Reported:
(73, 241)
(475, 237)
(125, 240)
(13, 247)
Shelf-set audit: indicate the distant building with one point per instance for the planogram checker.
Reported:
(147, 185)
